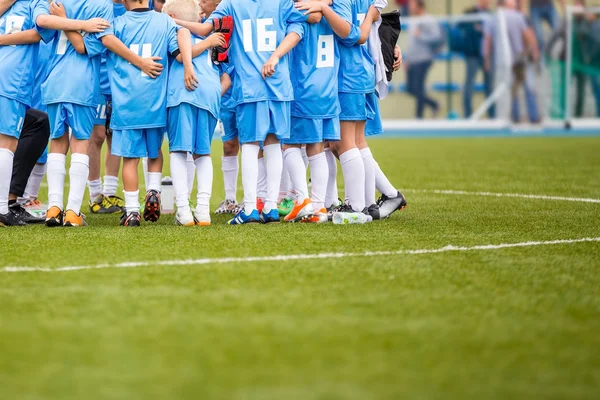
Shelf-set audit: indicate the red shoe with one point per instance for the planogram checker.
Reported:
(260, 204)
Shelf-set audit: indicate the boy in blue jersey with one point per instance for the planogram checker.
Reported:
(351, 20)
(23, 25)
(264, 32)
(103, 192)
(315, 119)
(139, 92)
(192, 118)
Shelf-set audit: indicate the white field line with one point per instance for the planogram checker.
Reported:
(518, 195)
(231, 260)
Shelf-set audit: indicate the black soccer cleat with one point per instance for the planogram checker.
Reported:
(21, 213)
(152, 206)
(131, 219)
(9, 219)
(389, 205)
(373, 211)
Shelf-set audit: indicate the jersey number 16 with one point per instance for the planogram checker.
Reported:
(266, 40)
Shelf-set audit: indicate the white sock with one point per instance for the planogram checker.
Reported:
(304, 158)
(132, 201)
(179, 175)
(383, 184)
(295, 166)
(230, 167)
(111, 184)
(262, 180)
(6, 167)
(35, 181)
(319, 172)
(191, 171)
(332, 190)
(369, 163)
(95, 188)
(274, 163)
(285, 185)
(155, 180)
(354, 178)
(56, 172)
(145, 168)
(204, 167)
(78, 174)
(250, 175)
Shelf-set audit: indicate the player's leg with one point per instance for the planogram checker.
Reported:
(286, 193)
(262, 183)
(112, 164)
(154, 139)
(180, 129)
(131, 146)
(95, 155)
(56, 169)
(319, 167)
(206, 124)
(229, 162)
(332, 197)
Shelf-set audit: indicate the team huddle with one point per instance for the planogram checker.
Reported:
(292, 83)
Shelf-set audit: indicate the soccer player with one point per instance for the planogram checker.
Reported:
(71, 100)
(356, 85)
(139, 91)
(103, 194)
(265, 31)
(24, 24)
(192, 118)
(315, 118)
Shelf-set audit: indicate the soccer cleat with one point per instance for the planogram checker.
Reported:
(260, 204)
(389, 205)
(54, 217)
(72, 219)
(131, 219)
(202, 218)
(333, 208)
(9, 219)
(285, 207)
(22, 214)
(96, 204)
(227, 206)
(107, 205)
(184, 218)
(115, 203)
(244, 219)
(320, 217)
(152, 206)
(301, 211)
(373, 211)
(272, 217)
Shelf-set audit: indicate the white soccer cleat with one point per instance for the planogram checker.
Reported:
(228, 206)
(202, 217)
(184, 218)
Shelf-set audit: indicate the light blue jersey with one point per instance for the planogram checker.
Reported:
(208, 94)
(315, 62)
(18, 63)
(357, 71)
(260, 26)
(228, 102)
(118, 10)
(140, 102)
(41, 73)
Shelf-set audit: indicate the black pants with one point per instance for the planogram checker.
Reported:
(416, 78)
(32, 143)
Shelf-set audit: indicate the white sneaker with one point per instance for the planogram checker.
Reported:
(184, 218)
(202, 217)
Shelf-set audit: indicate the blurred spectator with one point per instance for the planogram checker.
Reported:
(524, 48)
(540, 11)
(424, 41)
(586, 51)
(403, 7)
(469, 41)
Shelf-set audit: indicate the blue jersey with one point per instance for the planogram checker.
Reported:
(74, 77)
(260, 26)
(357, 70)
(18, 63)
(41, 74)
(140, 102)
(228, 102)
(208, 94)
(118, 10)
(315, 69)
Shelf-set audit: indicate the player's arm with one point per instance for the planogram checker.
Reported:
(184, 41)
(225, 83)
(340, 26)
(150, 66)
(365, 28)
(74, 37)
(5, 5)
(197, 28)
(288, 43)
(30, 36)
(214, 40)
(52, 22)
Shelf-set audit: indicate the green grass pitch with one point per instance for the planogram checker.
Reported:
(493, 323)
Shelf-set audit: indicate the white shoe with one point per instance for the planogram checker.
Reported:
(228, 207)
(184, 218)
(202, 217)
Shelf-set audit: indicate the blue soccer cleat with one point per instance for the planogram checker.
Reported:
(272, 217)
(242, 218)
